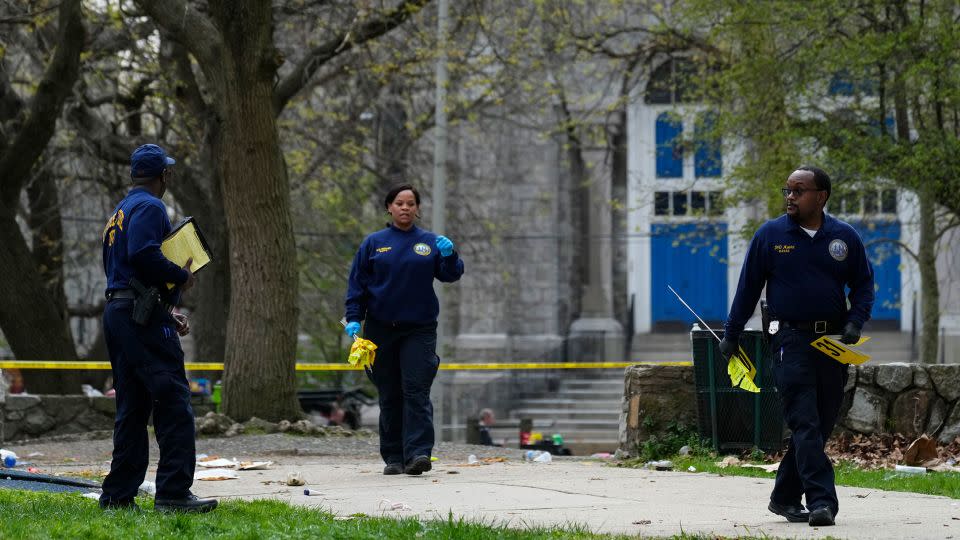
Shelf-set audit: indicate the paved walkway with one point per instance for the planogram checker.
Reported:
(604, 499)
(565, 492)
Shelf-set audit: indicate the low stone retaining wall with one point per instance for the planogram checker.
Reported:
(909, 399)
(25, 417)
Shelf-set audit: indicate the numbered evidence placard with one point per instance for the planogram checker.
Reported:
(840, 352)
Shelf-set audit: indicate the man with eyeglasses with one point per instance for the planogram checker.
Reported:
(805, 258)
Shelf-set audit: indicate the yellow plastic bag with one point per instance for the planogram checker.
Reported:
(362, 353)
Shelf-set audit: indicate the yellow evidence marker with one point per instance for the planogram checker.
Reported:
(840, 352)
(742, 371)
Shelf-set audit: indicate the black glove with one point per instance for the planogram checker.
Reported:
(851, 333)
(728, 348)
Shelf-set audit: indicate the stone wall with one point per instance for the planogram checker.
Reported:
(909, 399)
(28, 416)
(25, 417)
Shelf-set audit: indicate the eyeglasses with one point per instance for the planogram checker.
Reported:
(798, 192)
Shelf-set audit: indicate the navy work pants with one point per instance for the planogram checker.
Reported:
(810, 385)
(404, 369)
(148, 376)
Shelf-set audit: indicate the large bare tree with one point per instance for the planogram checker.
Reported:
(34, 316)
(233, 45)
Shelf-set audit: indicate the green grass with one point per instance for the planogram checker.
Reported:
(28, 515)
(847, 474)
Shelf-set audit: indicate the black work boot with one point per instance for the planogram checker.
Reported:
(793, 513)
(418, 465)
(393, 468)
(821, 517)
(190, 503)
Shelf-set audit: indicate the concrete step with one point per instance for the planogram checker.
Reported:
(608, 394)
(562, 425)
(562, 404)
(592, 385)
(566, 413)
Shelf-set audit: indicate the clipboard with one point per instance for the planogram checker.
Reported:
(186, 241)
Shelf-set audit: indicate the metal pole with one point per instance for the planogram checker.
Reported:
(440, 184)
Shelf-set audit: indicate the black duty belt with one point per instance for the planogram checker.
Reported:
(121, 294)
(130, 294)
(817, 327)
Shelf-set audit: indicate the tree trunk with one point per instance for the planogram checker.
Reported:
(32, 323)
(262, 327)
(929, 286)
(259, 378)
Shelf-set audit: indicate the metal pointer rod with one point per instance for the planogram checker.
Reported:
(705, 325)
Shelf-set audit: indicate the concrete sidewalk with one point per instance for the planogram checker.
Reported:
(602, 498)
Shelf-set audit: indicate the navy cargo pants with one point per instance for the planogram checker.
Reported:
(149, 376)
(404, 369)
(810, 385)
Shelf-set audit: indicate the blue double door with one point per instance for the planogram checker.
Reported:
(880, 239)
(692, 258)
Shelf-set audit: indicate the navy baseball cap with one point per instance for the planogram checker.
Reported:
(149, 161)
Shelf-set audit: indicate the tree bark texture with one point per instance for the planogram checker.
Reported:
(929, 286)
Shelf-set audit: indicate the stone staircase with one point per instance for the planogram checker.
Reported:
(585, 410)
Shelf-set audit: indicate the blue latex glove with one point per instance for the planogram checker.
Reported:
(352, 328)
(445, 245)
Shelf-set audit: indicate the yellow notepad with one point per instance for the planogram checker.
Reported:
(186, 242)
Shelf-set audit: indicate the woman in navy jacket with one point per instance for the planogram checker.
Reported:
(391, 289)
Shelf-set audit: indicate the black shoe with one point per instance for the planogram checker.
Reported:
(418, 465)
(393, 468)
(190, 503)
(821, 517)
(110, 505)
(793, 513)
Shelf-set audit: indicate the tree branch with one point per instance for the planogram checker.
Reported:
(323, 53)
(40, 121)
(188, 26)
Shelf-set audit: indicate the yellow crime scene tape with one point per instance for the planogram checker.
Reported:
(215, 366)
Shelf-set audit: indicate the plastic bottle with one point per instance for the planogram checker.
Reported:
(471, 459)
(544, 457)
(531, 455)
(911, 470)
(309, 492)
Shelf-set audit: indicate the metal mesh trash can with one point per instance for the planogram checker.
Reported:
(734, 419)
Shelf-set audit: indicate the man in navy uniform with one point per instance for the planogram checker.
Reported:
(145, 353)
(805, 258)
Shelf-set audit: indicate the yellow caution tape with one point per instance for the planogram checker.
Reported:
(215, 366)
(840, 352)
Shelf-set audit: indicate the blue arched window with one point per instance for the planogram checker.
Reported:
(707, 160)
(669, 150)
